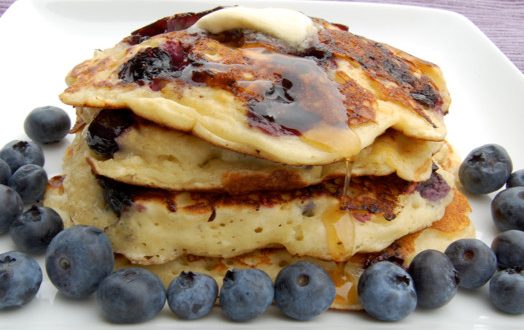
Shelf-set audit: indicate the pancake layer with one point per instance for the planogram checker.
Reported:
(150, 155)
(152, 226)
(453, 226)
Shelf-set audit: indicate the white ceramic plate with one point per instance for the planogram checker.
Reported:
(41, 40)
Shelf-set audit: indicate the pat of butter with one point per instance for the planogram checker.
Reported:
(288, 25)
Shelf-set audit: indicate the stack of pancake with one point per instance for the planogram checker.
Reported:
(203, 152)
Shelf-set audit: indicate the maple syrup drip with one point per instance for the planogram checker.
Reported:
(331, 219)
(346, 285)
(346, 193)
(337, 219)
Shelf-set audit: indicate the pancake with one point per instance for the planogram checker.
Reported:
(152, 226)
(453, 226)
(257, 94)
(150, 155)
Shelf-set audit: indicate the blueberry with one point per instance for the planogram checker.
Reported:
(17, 153)
(30, 182)
(435, 278)
(192, 295)
(303, 290)
(105, 128)
(147, 65)
(433, 189)
(11, 206)
(485, 169)
(78, 259)
(387, 292)
(474, 261)
(516, 179)
(506, 291)
(35, 228)
(5, 172)
(131, 295)
(47, 124)
(117, 195)
(507, 209)
(509, 249)
(245, 294)
(20, 279)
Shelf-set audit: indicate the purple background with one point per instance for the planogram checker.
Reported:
(501, 20)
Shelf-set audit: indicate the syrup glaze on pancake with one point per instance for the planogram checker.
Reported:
(314, 97)
(377, 60)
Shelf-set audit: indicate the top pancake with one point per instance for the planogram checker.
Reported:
(253, 93)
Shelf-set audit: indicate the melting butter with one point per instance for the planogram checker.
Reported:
(287, 25)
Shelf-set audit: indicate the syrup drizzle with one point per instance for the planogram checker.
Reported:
(337, 220)
(346, 193)
(285, 95)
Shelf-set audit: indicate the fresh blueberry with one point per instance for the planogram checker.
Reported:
(78, 259)
(516, 179)
(30, 182)
(507, 209)
(20, 279)
(506, 291)
(435, 278)
(47, 124)
(17, 153)
(303, 290)
(245, 294)
(485, 169)
(474, 261)
(35, 228)
(11, 206)
(509, 249)
(5, 172)
(387, 292)
(131, 295)
(192, 295)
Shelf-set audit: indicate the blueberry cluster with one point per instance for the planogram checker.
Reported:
(23, 181)
(302, 291)
(132, 295)
(485, 170)
(390, 293)
(24, 184)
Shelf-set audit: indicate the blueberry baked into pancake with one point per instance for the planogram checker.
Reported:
(243, 137)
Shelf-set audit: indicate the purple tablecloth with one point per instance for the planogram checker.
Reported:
(501, 20)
